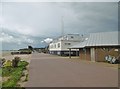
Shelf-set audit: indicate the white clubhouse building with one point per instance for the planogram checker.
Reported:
(60, 45)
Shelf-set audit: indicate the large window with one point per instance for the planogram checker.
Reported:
(67, 43)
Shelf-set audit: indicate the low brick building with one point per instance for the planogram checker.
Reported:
(99, 45)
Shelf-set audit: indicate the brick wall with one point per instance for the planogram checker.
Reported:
(88, 56)
(82, 54)
(85, 54)
(101, 52)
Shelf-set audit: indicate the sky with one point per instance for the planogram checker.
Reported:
(37, 23)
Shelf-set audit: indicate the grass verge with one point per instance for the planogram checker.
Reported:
(14, 74)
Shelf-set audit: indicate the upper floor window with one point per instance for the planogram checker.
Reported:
(72, 37)
(58, 45)
(67, 43)
(55, 45)
(51, 46)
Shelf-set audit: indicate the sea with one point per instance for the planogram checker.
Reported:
(4, 53)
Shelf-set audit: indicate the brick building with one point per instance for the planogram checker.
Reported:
(99, 45)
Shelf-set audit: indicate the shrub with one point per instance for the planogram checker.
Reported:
(15, 61)
(23, 64)
(8, 63)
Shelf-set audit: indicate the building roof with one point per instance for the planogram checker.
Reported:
(69, 37)
(100, 39)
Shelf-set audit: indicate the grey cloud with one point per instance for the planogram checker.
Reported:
(38, 21)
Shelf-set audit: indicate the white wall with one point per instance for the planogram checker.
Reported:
(71, 39)
(55, 48)
(63, 45)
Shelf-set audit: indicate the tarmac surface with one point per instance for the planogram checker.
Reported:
(54, 71)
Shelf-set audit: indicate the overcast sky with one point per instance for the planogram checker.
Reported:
(32, 23)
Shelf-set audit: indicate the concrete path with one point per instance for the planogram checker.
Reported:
(54, 71)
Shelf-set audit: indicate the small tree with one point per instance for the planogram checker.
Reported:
(15, 61)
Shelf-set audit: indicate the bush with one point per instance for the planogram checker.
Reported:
(8, 63)
(15, 61)
(23, 64)
(6, 71)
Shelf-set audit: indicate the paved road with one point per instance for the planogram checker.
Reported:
(53, 71)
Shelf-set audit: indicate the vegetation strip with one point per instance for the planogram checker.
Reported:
(14, 74)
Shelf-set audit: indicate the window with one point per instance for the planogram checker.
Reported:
(67, 43)
(55, 45)
(58, 45)
(51, 46)
(72, 37)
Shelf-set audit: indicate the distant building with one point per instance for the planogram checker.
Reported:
(60, 45)
(99, 46)
(39, 50)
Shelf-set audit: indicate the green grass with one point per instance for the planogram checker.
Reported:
(0, 77)
(0, 71)
(14, 73)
